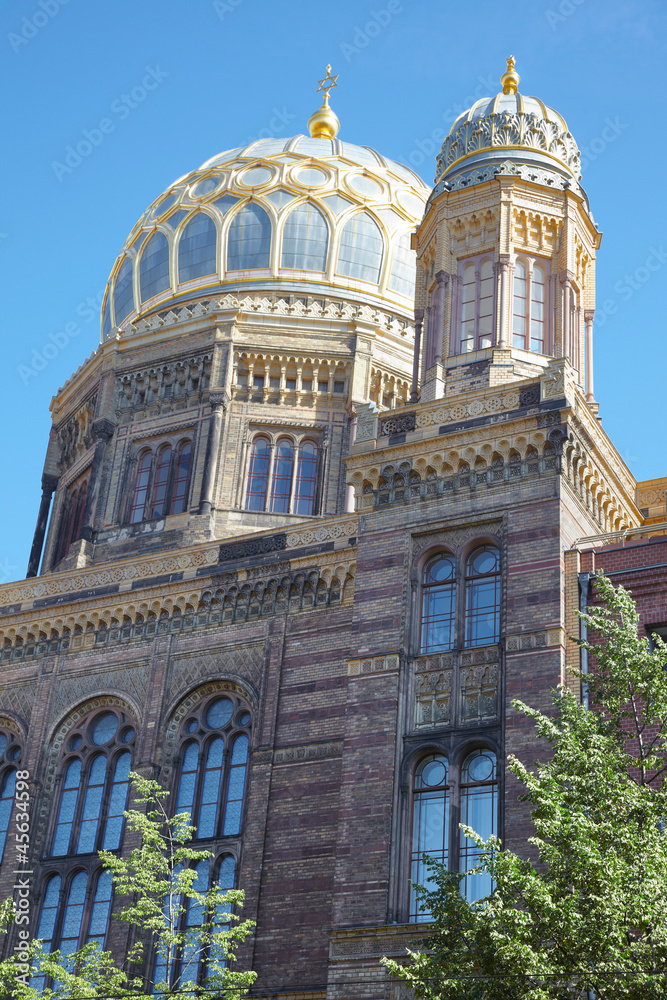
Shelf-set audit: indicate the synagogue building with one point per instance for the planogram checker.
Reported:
(324, 499)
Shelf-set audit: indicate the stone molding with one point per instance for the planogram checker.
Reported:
(454, 538)
(369, 665)
(541, 639)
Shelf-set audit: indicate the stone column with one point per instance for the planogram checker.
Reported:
(588, 319)
(49, 484)
(103, 429)
(218, 407)
(419, 318)
(441, 278)
(349, 490)
(504, 264)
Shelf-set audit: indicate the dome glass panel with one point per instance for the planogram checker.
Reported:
(337, 204)
(305, 239)
(154, 267)
(106, 326)
(224, 204)
(206, 186)
(123, 298)
(197, 248)
(164, 206)
(256, 177)
(249, 239)
(176, 218)
(265, 147)
(366, 186)
(311, 177)
(280, 198)
(403, 268)
(315, 147)
(361, 154)
(361, 248)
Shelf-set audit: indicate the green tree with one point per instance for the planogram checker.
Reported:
(587, 915)
(158, 882)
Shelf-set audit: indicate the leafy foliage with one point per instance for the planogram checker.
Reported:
(588, 917)
(158, 882)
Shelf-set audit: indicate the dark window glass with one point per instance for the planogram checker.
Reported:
(47, 923)
(306, 477)
(258, 474)
(161, 483)
(104, 728)
(68, 803)
(179, 490)
(236, 786)
(188, 779)
(6, 802)
(140, 492)
(249, 239)
(210, 796)
(226, 880)
(281, 484)
(438, 604)
(123, 297)
(193, 919)
(117, 802)
(71, 928)
(92, 805)
(482, 625)
(99, 914)
(479, 810)
(430, 826)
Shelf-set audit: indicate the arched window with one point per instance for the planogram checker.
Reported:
(537, 309)
(71, 519)
(438, 616)
(430, 826)
(67, 920)
(154, 267)
(249, 239)
(468, 303)
(403, 268)
(281, 482)
(10, 755)
(181, 475)
(305, 239)
(479, 810)
(519, 310)
(258, 474)
(123, 294)
(212, 770)
(141, 483)
(197, 248)
(306, 478)
(161, 482)
(106, 321)
(482, 608)
(361, 249)
(477, 298)
(95, 785)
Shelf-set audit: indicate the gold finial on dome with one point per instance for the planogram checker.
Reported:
(324, 124)
(509, 81)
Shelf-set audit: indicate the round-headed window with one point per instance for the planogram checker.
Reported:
(104, 728)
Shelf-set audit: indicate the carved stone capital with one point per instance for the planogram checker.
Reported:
(419, 315)
(219, 399)
(442, 277)
(103, 428)
(49, 483)
(589, 315)
(567, 277)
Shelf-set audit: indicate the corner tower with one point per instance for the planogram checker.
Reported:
(506, 251)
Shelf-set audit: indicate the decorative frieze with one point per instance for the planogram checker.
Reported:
(370, 665)
(536, 640)
(401, 424)
(457, 687)
(76, 435)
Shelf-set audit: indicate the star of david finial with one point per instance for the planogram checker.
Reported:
(327, 84)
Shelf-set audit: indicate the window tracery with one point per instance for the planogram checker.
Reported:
(444, 795)
(213, 765)
(160, 481)
(10, 756)
(282, 475)
(460, 606)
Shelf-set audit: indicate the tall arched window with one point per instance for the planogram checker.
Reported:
(71, 519)
(430, 826)
(74, 917)
(212, 769)
(438, 618)
(141, 483)
(477, 298)
(154, 267)
(519, 310)
(482, 608)
(181, 475)
(161, 482)
(361, 249)
(479, 810)
(305, 239)
(10, 755)
(249, 239)
(197, 248)
(123, 294)
(537, 309)
(258, 474)
(281, 481)
(403, 268)
(485, 324)
(468, 302)
(306, 478)
(95, 785)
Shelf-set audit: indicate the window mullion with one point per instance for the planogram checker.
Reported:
(295, 466)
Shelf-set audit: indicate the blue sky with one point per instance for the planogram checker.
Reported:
(181, 81)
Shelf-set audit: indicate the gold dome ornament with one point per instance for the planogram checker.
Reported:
(324, 124)
(509, 81)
